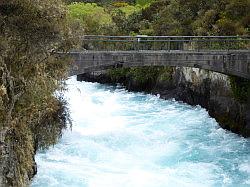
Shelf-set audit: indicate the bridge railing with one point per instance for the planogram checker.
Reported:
(142, 42)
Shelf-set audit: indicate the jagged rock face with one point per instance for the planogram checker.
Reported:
(212, 91)
(9, 163)
(4, 154)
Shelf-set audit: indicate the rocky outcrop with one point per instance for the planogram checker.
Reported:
(212, 91)
(194, 86)
(18, 145)
(10, 170)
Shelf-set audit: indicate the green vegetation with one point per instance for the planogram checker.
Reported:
(100, 20)
(171, 17)
(240, 88)
(143, 76)
(31, 35)
(144, 2)
(146, 75)
(101, 2)
(130, 9)
(92, 17)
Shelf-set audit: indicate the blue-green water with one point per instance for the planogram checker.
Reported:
(122, 139)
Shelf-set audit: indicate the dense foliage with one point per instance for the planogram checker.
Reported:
(98, 19)
(143, 75)
(32, 32)
(92, 17)
(175, 17)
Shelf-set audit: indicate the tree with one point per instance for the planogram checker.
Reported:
(92, 17)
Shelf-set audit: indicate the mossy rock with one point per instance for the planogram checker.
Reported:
(240, 88)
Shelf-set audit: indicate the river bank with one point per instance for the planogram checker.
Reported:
(214, 91)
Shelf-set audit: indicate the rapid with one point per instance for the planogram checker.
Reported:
(126, 139)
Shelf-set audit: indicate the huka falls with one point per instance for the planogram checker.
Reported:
(124, 93)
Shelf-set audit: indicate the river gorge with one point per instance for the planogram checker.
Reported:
(132, 139)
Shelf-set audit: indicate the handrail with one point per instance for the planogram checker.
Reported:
(143, 42)
(117, 40)
(146, 36)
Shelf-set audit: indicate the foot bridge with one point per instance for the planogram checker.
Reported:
(224, 54)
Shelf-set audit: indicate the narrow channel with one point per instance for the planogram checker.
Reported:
(126, 139)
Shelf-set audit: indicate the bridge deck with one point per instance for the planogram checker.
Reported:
(231, 62)
(225, 54)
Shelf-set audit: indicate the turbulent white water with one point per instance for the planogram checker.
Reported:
(122, 139)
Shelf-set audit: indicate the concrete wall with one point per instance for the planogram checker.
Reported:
(227, 62)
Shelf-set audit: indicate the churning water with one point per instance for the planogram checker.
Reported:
(123, 139)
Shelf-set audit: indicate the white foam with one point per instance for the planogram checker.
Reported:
(122, 139)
